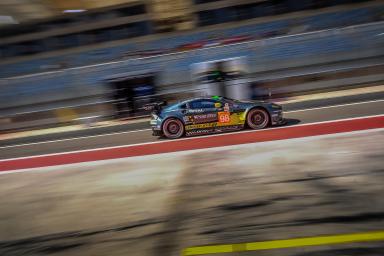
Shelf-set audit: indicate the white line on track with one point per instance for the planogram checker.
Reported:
(74, 138)
(334, 106)
(142, 130)
(190, 138)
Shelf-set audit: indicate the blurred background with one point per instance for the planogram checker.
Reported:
(75, 75)
(65, 62)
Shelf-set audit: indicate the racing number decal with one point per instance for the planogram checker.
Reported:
(224, 117)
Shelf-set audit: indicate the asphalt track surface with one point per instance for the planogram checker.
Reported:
(144, 125)
(151, 205)
(141, 134)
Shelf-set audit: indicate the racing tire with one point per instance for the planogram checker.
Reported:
(257, 118)
(173, 128)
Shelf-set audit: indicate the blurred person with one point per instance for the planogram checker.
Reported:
(259, 91)
(220, 77)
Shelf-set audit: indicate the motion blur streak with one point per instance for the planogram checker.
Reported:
(339, 126)
(87, 100)
(158, 205)
(288, 243)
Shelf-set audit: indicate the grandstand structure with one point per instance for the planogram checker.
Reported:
(145, 21)
(79, 61)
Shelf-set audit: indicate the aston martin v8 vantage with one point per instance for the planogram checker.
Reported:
(213, 114)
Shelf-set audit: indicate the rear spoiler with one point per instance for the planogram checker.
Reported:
(155, 107)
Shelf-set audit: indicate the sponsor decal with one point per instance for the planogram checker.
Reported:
(205, 118)
(226, 107)
(199, 110)
(187, 119)
(199, 126)
(229, 128)
(217, 105)
(199, 132)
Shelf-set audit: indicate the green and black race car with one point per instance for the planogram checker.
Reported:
(214, 114)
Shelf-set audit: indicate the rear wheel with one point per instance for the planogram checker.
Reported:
(257, 118)
(173, 128)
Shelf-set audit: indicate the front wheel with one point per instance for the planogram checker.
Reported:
(257, 118)
(173, 128)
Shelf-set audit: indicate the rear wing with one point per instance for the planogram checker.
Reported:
(155, 107)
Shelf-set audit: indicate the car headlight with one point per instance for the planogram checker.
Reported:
(155, 117)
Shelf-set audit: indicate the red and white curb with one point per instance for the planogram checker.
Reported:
(210, 141)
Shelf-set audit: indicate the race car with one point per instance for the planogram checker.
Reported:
(213, 114)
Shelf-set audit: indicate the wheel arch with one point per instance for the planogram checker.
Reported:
(169, 117)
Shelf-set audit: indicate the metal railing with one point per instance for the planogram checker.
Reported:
(248, 44)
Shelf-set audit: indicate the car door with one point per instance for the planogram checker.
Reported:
(201, 116)
(229, 117)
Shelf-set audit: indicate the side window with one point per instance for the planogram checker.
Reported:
(202, 104)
